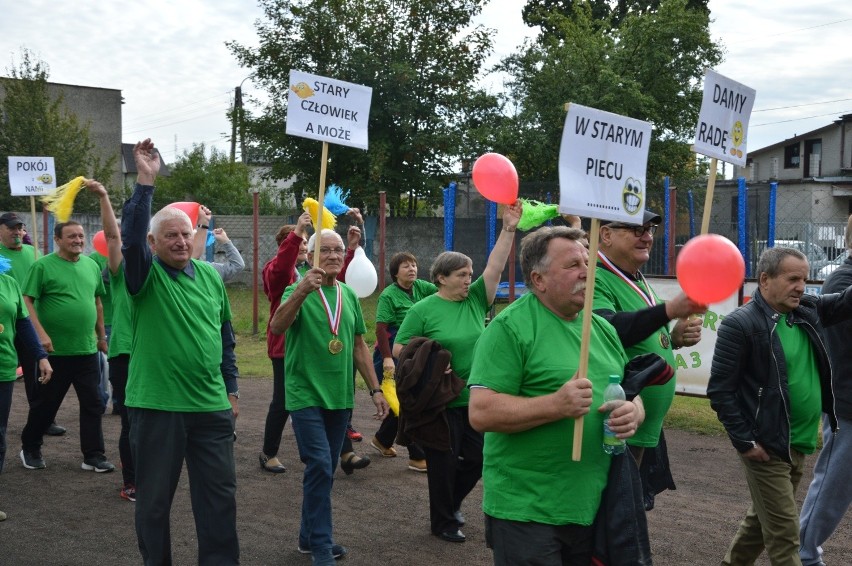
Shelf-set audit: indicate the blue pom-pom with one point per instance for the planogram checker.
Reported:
(5, 264)
(335, 200)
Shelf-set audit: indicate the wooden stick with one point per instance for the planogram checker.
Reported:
(708, 199)
(320, 199)
(583, 368)
(33, 231)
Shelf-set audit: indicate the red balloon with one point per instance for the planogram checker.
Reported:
(710, 268)
(100, 244)
(496, 178)
(191, 210)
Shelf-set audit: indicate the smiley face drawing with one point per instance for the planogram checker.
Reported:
(631, 196)
(737, 138)
(302, 90)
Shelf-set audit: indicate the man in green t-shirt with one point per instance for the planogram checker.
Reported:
(63, 294)
(181, 396)
(525, 394)
(22, 256)
(626, 300)
(323, 329)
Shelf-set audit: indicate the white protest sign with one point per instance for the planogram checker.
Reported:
(602, 163)
(722, 130)
(328, 110)
(31, 176)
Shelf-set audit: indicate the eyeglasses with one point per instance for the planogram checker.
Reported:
(638, 231)
(326, 251)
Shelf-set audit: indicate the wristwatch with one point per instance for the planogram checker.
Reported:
(234, 394)
(374, 391)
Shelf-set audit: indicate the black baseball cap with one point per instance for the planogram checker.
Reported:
(647, 218)
(10, 219)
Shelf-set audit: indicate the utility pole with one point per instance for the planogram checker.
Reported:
(236, 115)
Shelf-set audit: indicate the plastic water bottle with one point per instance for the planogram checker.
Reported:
(613, 398)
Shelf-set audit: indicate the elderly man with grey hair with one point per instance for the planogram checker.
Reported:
(181, 391)
(525, 394)
(769, 382)
(324, 330)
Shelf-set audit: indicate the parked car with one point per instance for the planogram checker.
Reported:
(815, 254)
(833, 264)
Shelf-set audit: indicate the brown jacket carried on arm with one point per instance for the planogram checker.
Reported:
(424, 389)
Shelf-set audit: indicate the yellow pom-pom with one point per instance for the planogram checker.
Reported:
(328, 219)
(61, 201)
(389, 391)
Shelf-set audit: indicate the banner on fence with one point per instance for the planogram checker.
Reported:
(602, 162)
(328, 110)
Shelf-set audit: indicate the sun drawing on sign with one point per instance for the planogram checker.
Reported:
(631, 196)
(302, 90)
(737, 138)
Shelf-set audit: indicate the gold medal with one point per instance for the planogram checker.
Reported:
(335, 346)
(664, 340)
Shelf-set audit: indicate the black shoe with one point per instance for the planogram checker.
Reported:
(33, 460)
(337, 551)
(459, 518)
(353, 462)
(55, 430)
(97, 464)
(452, 536)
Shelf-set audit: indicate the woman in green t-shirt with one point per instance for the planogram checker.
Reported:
(394, 303)
(455, 317)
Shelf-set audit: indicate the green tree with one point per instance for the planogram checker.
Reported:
(33, 124)
(212, 181)
(536, 12)
(421, 58)
(650, 68)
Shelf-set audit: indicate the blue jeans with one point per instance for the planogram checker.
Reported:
(830, 492)
(6, 388)
(319, 436)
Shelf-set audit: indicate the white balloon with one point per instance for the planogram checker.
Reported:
(361, 275)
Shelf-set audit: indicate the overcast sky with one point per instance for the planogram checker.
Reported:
(170, 61)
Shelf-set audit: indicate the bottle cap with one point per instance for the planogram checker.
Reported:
(615, 378)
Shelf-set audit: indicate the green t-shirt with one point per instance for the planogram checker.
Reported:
(120, 340)
(315, 376)
(456, 325)
(21, 259)
(107, 298)
(528, 351)
(614, 294)
(176, 347)
(803, 386)
(64, 295)
(11, 310)
(394, 302)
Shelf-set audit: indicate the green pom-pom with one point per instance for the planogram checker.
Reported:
(536, 213)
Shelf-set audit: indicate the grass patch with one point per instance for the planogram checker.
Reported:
(693, 414)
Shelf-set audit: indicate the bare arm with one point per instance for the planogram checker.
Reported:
(491, 411)
(199, 241)
(364, 365)
(286, 313)
(502, 249)
(111, 232)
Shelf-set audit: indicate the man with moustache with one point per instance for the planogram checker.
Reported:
(525, 395)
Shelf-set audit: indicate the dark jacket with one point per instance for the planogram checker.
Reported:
(838, 338)
(424, 389)
(748, 377)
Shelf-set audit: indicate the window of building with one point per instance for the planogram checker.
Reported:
(791, 156)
